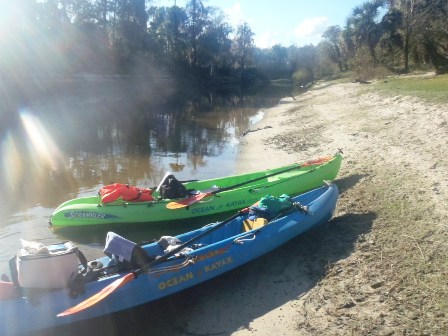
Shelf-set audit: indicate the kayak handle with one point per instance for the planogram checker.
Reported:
(188, 261)
(257, 190)
(245, 238)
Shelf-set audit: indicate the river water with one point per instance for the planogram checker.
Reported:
(68, 140)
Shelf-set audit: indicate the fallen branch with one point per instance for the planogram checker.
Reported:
(258, 129)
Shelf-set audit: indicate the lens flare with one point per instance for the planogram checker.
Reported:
(41, 144)
(12, 166)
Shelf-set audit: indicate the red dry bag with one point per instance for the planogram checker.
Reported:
(125, 192)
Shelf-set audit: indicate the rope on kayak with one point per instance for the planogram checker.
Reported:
(242, 239)
(302, 208)
(167, 269)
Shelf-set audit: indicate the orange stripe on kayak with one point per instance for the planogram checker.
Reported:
(317, 161)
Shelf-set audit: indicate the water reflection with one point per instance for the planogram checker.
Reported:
(69, 144)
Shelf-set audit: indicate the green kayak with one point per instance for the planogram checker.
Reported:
(204, 198)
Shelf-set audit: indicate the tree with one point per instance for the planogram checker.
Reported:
(333, 35)
(391, 43)
(243, 47)
(363, 26)
(308, 60)
(132, 21)
(423, 27)
(168, 31)
(279, 56)
(214, 44)
(197, 20)
(407, 16)
(433, 23)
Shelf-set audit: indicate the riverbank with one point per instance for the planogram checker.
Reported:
(379, 267)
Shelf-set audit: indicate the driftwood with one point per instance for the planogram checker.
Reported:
(361, 81)
(258, 129)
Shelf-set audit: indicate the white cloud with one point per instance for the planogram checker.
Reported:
(235, 14)
(311, 29)
(266, 40)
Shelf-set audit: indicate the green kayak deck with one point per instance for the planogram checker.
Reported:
(291, 179)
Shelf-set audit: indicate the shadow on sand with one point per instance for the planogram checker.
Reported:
(232, 301)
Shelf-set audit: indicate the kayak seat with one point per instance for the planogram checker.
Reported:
(125, 252)
(225, 232)
(251, 224)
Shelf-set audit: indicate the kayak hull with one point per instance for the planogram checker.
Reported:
(87, 211)
(220, 251)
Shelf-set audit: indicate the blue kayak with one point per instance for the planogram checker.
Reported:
(199, 255)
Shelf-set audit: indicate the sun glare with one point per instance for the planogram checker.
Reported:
(10, 20)
(41, 144)
(12, 167)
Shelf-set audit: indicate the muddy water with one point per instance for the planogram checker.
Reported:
(71, 138)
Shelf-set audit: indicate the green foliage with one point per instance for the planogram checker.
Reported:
(274, 62)
(365, 31)
(411, 33)
(301, 78)
(109, 36)
(243, 46)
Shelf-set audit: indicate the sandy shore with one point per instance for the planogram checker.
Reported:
(349, 277)
(379, 267)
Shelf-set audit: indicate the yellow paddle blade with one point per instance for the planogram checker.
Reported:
(101, 295)
(176, 205)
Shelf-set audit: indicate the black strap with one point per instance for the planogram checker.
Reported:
(83, 260)
(14, 272)
(77, 282)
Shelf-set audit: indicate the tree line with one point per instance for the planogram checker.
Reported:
(409, 34)
(118, 36)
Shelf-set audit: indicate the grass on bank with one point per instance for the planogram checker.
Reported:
(429, 88)
(412, 239)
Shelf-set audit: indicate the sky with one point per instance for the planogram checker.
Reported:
(285, 22)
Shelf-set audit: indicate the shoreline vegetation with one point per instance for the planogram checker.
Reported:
(379, 267)
(142, 40)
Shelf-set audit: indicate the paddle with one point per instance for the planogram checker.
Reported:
(196, 198)
(106, 291)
